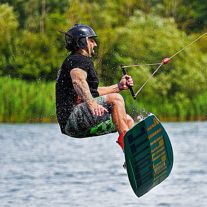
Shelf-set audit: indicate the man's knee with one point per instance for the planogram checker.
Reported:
(114, 98)
(130, 121)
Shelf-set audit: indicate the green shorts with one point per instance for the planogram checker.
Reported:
(82, 123)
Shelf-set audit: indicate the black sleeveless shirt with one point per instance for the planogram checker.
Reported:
(66, 97)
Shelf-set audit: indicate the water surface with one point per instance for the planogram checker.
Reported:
(41, 167)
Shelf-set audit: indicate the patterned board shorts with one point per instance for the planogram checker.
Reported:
(82, 123)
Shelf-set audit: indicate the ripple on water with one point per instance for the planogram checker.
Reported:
(41, 167)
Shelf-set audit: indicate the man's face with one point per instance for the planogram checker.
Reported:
(91, 45)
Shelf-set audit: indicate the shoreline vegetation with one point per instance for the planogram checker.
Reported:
(34, 102)
(129, 33)
(22, 101)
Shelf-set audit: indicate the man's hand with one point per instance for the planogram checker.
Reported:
(96, 108)
(82, 89)
(125, 82)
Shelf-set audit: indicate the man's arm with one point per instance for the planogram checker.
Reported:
(80, 84)
(108, 89)
(81, 87)
(123, 84)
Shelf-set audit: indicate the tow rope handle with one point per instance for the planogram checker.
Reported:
(130, 87)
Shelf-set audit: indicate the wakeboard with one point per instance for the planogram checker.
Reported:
(148, 154)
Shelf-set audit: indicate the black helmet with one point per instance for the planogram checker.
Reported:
(75, 37)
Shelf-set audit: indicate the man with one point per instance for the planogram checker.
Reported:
(80, 104)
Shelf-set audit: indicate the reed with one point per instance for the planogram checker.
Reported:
(170, 110)
(22, 101)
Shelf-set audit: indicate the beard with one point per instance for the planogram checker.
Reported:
(92, 52)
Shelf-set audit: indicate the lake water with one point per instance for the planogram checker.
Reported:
(39, 167)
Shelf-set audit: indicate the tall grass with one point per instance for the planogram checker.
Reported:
(22, 101)
(171, 110)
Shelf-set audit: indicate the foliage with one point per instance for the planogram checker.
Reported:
(190, 15)
(150, 39)
(35, 102)
(26, 102)
(8, 25)
(129, 32)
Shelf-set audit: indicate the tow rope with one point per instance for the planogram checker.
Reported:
(160, 64)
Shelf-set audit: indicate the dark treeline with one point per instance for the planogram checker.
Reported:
(129, 32)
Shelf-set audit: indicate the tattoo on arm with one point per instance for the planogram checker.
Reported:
(80, 84)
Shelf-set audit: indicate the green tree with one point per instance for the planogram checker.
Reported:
(31, 11)
(190, 15)
(8, 25)
(36, 56)
(148, 39)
